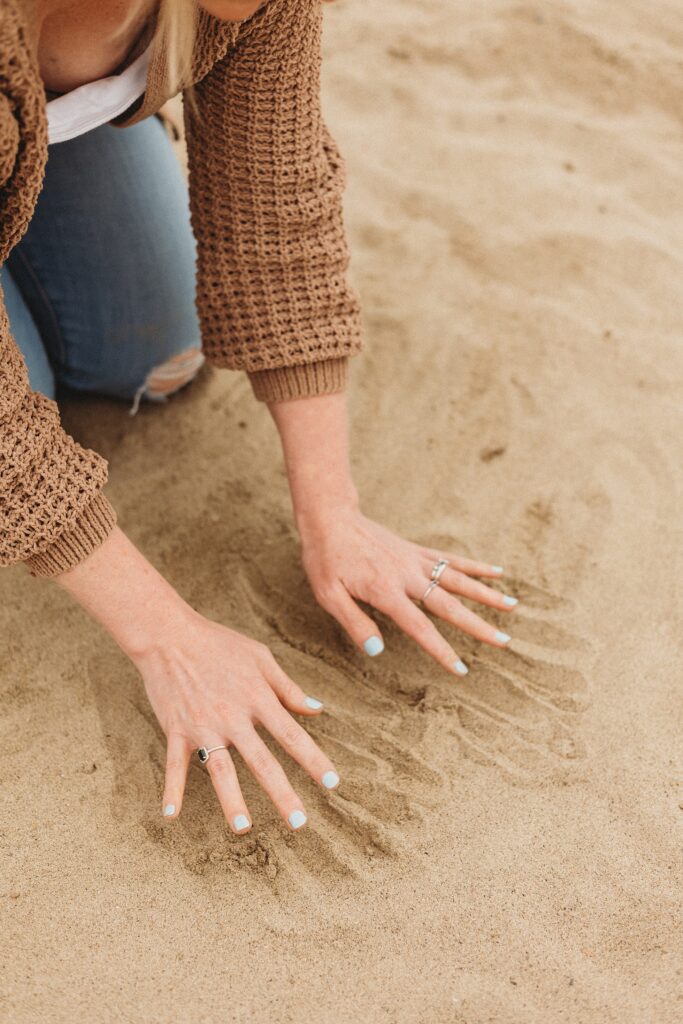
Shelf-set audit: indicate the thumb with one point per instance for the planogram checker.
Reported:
(360, 627)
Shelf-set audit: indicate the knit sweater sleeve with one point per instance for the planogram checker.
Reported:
(52, 511)
(266, 186)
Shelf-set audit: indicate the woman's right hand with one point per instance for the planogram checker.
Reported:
(208, 685)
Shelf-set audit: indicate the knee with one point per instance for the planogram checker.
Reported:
(170, 376)
(174, 374)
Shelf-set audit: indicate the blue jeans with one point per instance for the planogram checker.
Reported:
(100, 291)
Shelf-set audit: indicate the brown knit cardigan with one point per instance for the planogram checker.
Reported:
(266, 182)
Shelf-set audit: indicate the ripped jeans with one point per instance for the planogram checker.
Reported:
(100, 291)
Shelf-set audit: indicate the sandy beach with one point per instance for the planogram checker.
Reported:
(503, 849)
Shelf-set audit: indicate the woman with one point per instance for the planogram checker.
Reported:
(98, 267)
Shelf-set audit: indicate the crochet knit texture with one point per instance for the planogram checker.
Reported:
(266, 182)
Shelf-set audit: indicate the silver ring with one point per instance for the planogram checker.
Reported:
(434, 583)
(439, 568)
(203, 752)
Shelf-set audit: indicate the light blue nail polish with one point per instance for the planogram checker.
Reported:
(330, 780)
(374, 645)
(169, 809)
(497, 568)
(461, 667)
(510, 601)
(502, 638)
(297, 819)
(240, 822)
(313, 704)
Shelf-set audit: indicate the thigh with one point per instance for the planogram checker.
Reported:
(107, 265)
(27, 336)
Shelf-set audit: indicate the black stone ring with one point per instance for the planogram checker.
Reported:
(203, 753)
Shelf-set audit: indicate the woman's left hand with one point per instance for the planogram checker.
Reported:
(348, 556)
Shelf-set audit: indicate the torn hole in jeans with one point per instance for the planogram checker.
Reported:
(165, 380)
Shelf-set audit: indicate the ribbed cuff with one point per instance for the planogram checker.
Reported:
(287, 382)
(92, 527)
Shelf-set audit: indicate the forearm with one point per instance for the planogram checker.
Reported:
(315, 441)
(119, 588)
(272, 291)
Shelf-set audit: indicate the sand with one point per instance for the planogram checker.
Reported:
(506, 848)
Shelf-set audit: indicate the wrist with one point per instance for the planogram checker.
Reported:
(154, 627)
(317, 509)
(314, 435)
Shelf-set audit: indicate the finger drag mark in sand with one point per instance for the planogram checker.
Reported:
(522, 711)
(388, 728)
(519, 710)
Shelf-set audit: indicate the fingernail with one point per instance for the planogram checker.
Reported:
(169, 809)
(330, 780)
(510, 601)
(502, 638)
(297, 819)
(497, 568)
(461, 667)
(312, 703)
(240, 822)
(374, 645)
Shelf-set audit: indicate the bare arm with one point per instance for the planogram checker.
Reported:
(346, 555)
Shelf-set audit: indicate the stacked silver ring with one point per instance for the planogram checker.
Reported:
(435, 577)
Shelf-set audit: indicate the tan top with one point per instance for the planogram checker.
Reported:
(266, 183)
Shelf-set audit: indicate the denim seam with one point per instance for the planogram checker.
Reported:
(47, 304)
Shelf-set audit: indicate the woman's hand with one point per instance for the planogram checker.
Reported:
(347, 556)
(207, 684)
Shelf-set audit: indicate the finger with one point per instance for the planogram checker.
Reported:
(449, 608)
(360, 627)
(457, 582)
(269, 773)
(177, 759)
(468, 565)
(417, 625)
(224, 778)
(299, 744)
(291, 695)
